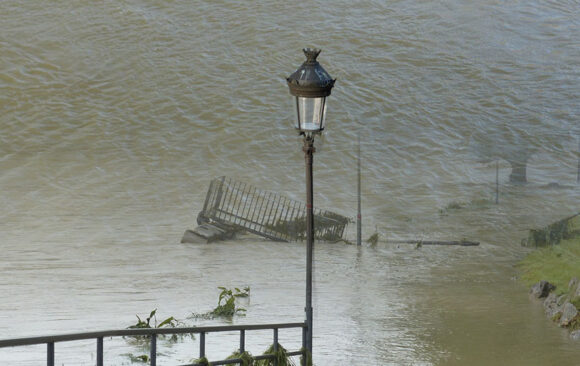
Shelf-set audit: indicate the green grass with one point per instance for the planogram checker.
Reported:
(556, 264)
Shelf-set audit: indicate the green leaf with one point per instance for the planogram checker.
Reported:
(152, 313)
(169, 320)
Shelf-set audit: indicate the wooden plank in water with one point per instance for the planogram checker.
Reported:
(464, 243)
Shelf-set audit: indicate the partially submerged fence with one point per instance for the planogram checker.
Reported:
(50, 341)
(267, 214)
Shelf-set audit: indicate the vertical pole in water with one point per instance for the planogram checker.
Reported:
(308, 156)
(358, 216)
(497, 181)
(578, 174)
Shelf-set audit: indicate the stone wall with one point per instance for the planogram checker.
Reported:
(563, 309)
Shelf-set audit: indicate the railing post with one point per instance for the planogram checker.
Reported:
(50, 354)
(100, 351)
(201, 344)
(153, 355)
(304, 333)
(242, 341)
(276, 346)
(50, 341)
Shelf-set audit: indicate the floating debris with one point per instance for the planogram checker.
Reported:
(232, 206)
(420, 243)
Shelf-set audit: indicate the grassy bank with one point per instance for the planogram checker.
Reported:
(556, 264)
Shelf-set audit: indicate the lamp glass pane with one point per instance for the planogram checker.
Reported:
(311, 113)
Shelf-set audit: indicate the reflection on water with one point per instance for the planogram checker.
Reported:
(116, 116)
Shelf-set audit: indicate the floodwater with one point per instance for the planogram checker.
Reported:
(115, 116)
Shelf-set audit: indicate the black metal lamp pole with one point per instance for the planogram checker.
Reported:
(310, 85)
(309, 151)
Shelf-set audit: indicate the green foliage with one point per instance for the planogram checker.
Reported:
(245, 292)
(139, 358)
(246, 357)
(169, 322)
(306, 361)
(227, 302)
(200, 361)
(556, 264)
(227, 306)
(576, 302)
(282, 358)
(455, 206)
(143, 341)
(574, 323)
(373, 239)
(324, 226)
(475, 204)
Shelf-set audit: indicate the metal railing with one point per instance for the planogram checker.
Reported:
(50, 341)
(264, 213)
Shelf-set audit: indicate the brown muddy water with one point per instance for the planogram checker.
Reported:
(115, 116)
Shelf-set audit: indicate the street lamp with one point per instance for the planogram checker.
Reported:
(310, 85)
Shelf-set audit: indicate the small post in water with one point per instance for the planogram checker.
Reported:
(497, 181)
(358, 216)
(578, 174)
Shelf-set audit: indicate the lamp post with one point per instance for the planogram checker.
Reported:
(310, 84)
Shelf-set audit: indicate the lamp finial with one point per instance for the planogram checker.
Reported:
(311, 54)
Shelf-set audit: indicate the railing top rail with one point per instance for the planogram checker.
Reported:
(141, 332)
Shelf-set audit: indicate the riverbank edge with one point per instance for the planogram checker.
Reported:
(553, 273)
